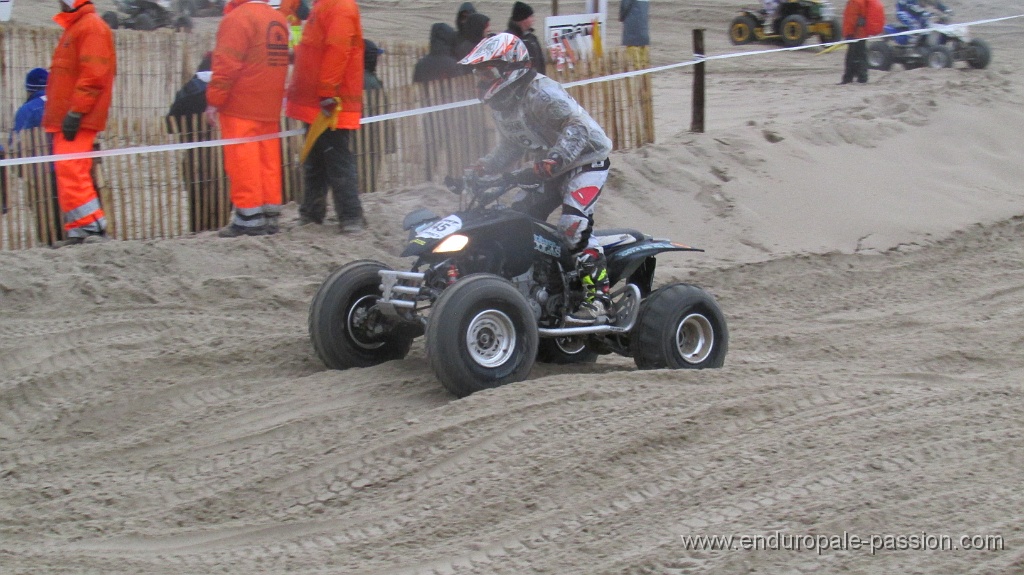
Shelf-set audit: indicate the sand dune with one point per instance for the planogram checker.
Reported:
(162, 411)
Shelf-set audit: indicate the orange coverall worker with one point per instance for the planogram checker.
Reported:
(78, 98)
(250, 64)
(290, 10)
(329, 64)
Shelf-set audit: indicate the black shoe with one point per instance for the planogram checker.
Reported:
(353, 226)
(306, 220)
(589, 312)
(862, 80)
(845, 81)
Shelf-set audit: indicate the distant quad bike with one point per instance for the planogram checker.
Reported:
(147, 15)
(797, 20)
(935, 47)
(490, 289)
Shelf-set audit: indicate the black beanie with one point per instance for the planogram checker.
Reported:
(521, 11)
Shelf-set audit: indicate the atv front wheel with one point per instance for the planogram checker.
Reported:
(345, 329)
(880, 55)
(834, 34)
(742, 30)
(938, 57)
(980, 54)
(481, 335)
(793, 30)
(565, 350)
(680, 327)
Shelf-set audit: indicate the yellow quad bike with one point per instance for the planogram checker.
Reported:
(797, 19)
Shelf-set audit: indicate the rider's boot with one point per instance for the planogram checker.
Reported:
(593, 271)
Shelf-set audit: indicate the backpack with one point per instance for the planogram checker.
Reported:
(874, 17)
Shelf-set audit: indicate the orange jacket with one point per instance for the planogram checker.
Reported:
(863, 18)
(250, 62)
(82, 71)
(329, 64)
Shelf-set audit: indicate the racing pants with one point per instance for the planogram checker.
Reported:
(254, 170)
(577, 191)
(76, 192)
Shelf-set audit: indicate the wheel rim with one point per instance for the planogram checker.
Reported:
(355, 322)
(695, 338)
(571, 345)
(491, 338)
(792, 31)
(874, 58)
(740, 33)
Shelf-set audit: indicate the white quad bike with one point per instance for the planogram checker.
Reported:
(938, 46)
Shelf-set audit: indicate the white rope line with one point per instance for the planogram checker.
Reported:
(462, 104)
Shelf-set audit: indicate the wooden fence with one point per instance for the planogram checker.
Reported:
(169, 194)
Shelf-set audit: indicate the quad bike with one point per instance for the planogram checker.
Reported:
(935, 47)
(491, 287)
(147, 15)
(796, 20)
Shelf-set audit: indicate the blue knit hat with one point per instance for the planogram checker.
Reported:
(36, 78)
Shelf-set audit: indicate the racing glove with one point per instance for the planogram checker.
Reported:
(72, 122)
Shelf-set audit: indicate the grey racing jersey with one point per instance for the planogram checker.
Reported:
(549, 121)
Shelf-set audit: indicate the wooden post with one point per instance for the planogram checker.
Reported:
(697, 118)
(554, 7)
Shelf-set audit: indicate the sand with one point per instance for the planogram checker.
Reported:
(162, 411)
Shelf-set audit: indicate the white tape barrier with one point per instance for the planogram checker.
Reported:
(452, 106)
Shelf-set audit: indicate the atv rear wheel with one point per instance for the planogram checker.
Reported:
(344, 329)
(793, 30)
(980, 54)
(742, 30)
(880, 55)
(938, 57)
(481, 335)
(565, 350)
(834, 34)
(680, 327)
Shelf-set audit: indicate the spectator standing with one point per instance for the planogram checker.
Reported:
(636, 36)
(197, 169)
(250, 65)
(30, 116)
(476, 28)
(329, 74)
(378, 138)
(465, 9)
(438, 64)
(79, 90)
(521, 26)
(861, 19)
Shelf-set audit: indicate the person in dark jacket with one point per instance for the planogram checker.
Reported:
(205, 208)
(465, 10)
(636, 36)
(378, 137)
(438, 64)
(476, 28)
(28, 116)
(521, 26)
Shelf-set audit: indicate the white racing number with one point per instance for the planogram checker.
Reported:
(441, 228)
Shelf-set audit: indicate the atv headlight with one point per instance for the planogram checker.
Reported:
(452, 243)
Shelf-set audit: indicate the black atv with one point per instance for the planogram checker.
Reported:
(797, 19)
(491, 288)
(147, 15)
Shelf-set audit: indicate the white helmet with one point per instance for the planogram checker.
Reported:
(498, 62)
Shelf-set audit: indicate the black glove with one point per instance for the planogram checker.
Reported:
(526, 178)
(72, 122)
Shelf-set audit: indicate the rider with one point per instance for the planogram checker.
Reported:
(915, 14)
(536, 117)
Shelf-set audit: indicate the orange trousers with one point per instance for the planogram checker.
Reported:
(254, 169)
(76, 192)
